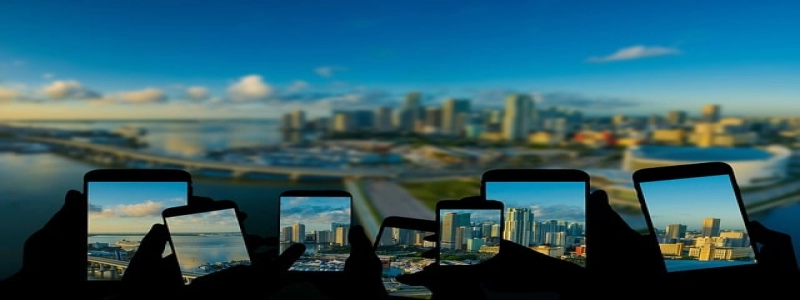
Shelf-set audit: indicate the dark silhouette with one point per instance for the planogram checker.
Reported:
(515, 271)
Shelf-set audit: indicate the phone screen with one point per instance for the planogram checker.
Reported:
(207, 242)
(119, 216)
(400, 250)
(469, 236)
(549, 217)
(698, 223)
(322, 224)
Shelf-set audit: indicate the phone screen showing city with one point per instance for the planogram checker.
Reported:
(400, 251)
(698, 223)
(548, 217)
(322, 224)
(469, 236)
(119, 216)
(207, 242)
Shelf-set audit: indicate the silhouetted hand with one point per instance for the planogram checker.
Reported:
(609, 234)
(776, 250)
(55, 252)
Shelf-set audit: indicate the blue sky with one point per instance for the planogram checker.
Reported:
(476, 215)
(316, 213)
(689, 201)
(548, 200)
(131, 207)
(85, 59)
(206, 222)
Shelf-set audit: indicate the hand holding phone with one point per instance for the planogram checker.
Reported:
(206, 239)
(122, 206)
(696, 215)
(545, 209)
(400, 245)
(321, 220)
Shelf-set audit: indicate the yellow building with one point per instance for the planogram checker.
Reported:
(544, 138)
(492, 136)
(669, 136)
(489, 249)
(671, 249)
(550, 251)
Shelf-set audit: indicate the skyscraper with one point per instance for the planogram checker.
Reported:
(454, 112)
(298, 233)
(519, 226)
(383, 119)
(448, 230)
(517, 117)
(710, 227)
(711, 113)
(676, 231)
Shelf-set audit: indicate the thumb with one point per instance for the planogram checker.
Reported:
(147, 261)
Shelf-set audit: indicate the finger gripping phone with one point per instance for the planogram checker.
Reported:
(469, 231)
(545, 209)
(206, 238)
(122, 206)
(696, 215)
(320, 219)
(402, 244)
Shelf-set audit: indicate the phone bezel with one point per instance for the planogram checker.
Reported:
(203, 208)
(124, 175)
(465, 205)
(689, 171)
(405, 223)
(545, 175)
(318, 194)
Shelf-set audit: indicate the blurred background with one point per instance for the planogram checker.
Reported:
(401, 103)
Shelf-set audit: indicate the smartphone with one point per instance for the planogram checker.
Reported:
(469, 231)
(122, 206)
(545, 209)
(696, 215)
(206, 238)
(400, 244)
(321, 220)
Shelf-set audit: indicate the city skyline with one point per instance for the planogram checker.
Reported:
(476, 215)
(272, 61)
(315, 213)
(218, 221)
(690, 201)
(131, 207)
(564, 201)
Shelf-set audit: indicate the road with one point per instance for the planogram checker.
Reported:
(391, 199)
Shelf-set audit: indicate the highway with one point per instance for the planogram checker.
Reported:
(391, 199)
(124, 264)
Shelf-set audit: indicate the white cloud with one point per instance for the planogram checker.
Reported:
(8, 95)
(298, 86)
(103, 214)
(68, 89)
(48, 76)
(635, 52)
(328, 71)
(249, 88)
(197, 93)
(149, 208)
(148, 95)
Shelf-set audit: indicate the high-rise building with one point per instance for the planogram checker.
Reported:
(324, 236)
(676, 118)
(455, 113)
(710, 227)
(519, 225)
(448, 230)
(412, 112)
(298, 120)
(341, 236)
(343, 122)
(711, 113)
(433, 117)
(383, 119)
(676, 231)
(287, 234)
(298, 233)
(517, 117)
